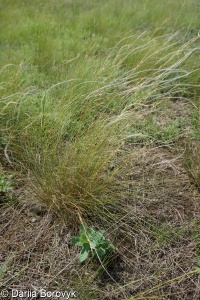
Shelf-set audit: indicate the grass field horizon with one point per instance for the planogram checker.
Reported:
(99, 118)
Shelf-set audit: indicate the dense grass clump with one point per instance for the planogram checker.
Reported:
(68, 135)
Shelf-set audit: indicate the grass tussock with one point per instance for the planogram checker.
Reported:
(67, 144)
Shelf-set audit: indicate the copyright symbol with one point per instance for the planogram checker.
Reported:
(4, 293)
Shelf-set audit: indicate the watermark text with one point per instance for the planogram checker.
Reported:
(26, 294)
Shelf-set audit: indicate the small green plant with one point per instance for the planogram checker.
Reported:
(93, 242)
(6, 185)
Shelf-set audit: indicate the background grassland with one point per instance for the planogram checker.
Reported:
(100, 117)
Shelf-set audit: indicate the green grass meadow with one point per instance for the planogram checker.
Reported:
(99, 115)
